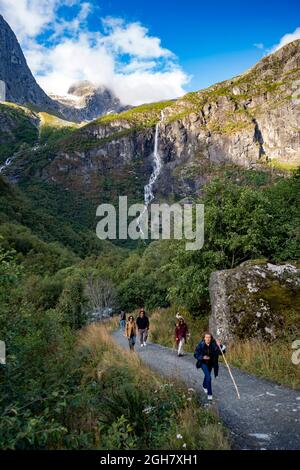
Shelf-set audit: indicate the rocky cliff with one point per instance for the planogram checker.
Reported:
(86, 101)
(251, 121)
(254, 300)
(21, 86)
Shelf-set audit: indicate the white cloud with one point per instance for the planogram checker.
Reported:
(28, 17)
(259, 45)
(133, 39)
(122, 56)
(286, 39)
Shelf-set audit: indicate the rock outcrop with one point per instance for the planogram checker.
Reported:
(86, 101)
(252, 300)
(20, 85)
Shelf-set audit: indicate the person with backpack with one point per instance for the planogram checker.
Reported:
(181, 333)
(207, 354)
(143, 327)
(122, 320)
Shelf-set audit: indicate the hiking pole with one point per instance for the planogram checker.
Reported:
(232, 378)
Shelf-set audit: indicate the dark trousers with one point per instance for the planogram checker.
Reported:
(207, 377)
(131, 341)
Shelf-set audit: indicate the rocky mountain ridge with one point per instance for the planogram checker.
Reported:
(21, 87)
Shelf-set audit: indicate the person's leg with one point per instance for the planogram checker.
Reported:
(180, 347)
(145, 336)
(210, 386)
(123, 325)
(141, 335)
(207, 378)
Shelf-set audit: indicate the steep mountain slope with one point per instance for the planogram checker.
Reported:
(251, 120)
(22, 88)
(18, 130)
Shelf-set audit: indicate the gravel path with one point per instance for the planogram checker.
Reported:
(266, 417)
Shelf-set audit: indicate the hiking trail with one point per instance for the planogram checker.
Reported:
(266, 417)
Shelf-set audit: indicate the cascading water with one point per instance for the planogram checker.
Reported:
(8, 161)
(148, 189)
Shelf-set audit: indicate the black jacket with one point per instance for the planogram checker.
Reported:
(142, 322)
(213, 352)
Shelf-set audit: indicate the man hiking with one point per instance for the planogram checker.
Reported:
(130, 332)
(122, 320)
(181, 333)
(142, 323)
(207, 354)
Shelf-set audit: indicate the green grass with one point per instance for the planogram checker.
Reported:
(20, 130)
(163, 322)
(271, 361)
(53, 129)
(141, 117)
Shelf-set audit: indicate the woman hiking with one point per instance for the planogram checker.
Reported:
(207, 354)
(181, 333)
(130, 332)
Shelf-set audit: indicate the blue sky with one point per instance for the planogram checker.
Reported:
(213, 40)
(147, 50)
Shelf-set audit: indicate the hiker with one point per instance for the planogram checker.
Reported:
(143, 327)
(207, 354)
(130, 332)
(122, 320)
(181, 333)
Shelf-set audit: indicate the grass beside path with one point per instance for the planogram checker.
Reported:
(138, 408)
(272, 361)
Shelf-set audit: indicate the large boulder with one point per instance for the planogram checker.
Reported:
(256, 299)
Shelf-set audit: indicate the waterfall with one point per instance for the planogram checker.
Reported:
(8, 161)
(148, 189)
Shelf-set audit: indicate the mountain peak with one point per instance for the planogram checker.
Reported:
(21, 86)
(84, 102)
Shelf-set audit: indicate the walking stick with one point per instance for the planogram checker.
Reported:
(227, 365)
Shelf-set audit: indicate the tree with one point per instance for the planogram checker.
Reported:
(101, 293)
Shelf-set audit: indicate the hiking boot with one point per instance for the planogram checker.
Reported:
(205, 390)
(145, 344)
(209, 397)
(142, 345)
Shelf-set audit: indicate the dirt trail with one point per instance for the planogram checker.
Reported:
(266, 417)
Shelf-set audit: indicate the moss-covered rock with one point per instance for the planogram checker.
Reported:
(255, 300)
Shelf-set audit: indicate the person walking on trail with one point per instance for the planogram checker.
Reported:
(181, 333)
(130, 332)
(122, 320)
(143, 327)
(207, 354)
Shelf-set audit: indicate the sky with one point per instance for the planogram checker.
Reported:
(147, 50)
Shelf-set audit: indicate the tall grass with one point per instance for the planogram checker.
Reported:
(134, 408)
(272, 361)
(162, 327)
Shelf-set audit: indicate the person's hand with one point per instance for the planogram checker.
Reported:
(206, 357)
(177, 339)
(218, 342)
